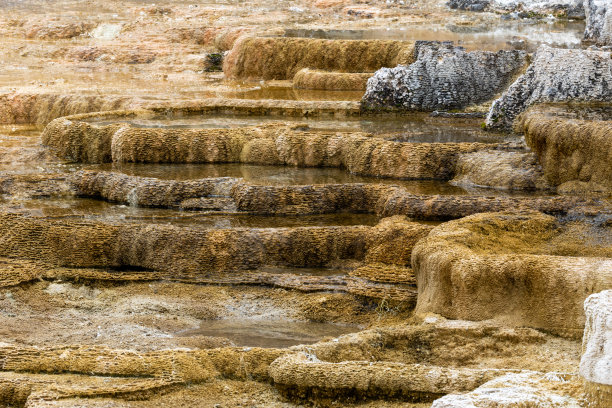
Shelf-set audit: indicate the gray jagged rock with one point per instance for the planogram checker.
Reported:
(471, 5)
(569, 8)
(442, 77)
(598, 21)
(555, 75)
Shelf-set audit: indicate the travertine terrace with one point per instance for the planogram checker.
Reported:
(331, 203)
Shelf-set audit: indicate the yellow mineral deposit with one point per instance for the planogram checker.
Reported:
(198, 210)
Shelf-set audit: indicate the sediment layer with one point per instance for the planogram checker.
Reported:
(525, 269)
(333, 81)
(282, 58)
(231, 195)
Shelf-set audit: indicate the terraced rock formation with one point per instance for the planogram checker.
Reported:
(573, 144)
(179, 236)
(522, 269)
(282, 58)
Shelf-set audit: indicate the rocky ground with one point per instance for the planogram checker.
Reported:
(306, 203)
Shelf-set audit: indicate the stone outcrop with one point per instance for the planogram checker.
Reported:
(598, 21)
(562, 8)
(517, 390)
(471, 5)
(573, 146)
(522, 269)
(442, 77)
(555, 75)
(282, 58)
(333, 81)
(596, 362)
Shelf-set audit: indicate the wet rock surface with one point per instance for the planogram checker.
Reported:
(443, 76)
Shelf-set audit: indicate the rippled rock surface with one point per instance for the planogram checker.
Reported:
(555, 75)
(572, 143)
(442, 77)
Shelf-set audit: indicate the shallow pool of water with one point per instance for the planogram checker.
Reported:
(272, 175)
(522, 33)
(98, 210)
(269, 333)
(410, 128)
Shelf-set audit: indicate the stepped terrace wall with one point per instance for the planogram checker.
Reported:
(523, 269)
(282, 58)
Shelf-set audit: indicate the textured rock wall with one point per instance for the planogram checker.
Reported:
(524, 269)
(555, 75)
(570, 150)
(196, 251)
(442, 77)
(598, 21)
(282, 58)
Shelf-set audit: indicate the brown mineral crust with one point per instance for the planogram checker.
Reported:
(450, 343)
(81, 141)
(269, 145)
(382, 244)
(282, 58)
(299, 377)
(57, 31)
(176, 249)
(570, 149)
(338, 81)
(447, 207)
(522, 269)
(147, 192)
(385, 273)
(42, 108)
(261, 107)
